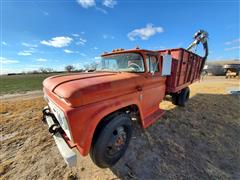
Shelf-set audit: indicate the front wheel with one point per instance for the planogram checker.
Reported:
(111, 141)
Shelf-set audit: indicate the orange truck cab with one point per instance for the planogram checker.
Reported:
(93, 112)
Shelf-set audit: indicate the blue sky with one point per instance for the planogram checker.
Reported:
(56, 33)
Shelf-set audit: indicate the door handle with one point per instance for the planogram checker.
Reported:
(139, 88)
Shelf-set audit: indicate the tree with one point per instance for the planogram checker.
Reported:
(34, 72)
(93, 66)
(69, 68)
(46, 70)
(49, 69)
(86, 67)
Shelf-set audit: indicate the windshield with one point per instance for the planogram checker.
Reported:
(124, 62)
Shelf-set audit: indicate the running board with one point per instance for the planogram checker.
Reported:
(153, 117)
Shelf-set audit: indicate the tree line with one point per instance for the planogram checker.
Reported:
(69, 68)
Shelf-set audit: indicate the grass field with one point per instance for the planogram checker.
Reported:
(21, 83)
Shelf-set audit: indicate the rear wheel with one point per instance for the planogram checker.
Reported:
(175, 99)
(183, 96)
(111, 141)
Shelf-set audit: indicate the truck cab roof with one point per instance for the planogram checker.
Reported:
(137, 50)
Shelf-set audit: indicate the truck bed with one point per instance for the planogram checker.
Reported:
(185, 69)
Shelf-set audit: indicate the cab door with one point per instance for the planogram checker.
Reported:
(153, 88)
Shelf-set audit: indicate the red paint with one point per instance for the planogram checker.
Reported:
(92, 96)
(185, 69)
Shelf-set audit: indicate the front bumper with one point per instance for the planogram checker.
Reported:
(69, 156)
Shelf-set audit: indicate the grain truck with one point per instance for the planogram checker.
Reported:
(92, 112)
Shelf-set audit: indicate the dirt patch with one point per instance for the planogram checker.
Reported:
(21, 96)
(200, 141)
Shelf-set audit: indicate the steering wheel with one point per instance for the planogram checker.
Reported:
(134, 66)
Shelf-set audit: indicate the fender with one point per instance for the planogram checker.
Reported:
(83, 135)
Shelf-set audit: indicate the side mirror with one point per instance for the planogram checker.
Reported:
(167, 65)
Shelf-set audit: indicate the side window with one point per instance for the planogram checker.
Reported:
(153, 65)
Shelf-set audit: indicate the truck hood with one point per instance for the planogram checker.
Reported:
(84, 88)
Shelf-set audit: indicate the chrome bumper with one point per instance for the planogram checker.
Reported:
(69, 156)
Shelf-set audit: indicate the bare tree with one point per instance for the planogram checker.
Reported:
(69, 68)
(90, 66)
(93, 66)
(86, 67)
(50, 70)
(34, 72)
(42, 70)
(46, 70)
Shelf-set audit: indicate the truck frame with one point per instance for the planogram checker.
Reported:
(93, 112)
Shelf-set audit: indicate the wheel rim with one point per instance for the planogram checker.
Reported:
(117, 141)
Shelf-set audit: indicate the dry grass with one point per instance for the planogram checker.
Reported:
(200, 141)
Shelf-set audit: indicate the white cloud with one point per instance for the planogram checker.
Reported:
(109, 3)
(75, 35)
(29, 45)
(78, 65)
(105, 36)
(32, 67)
(97, 58)
(68, 51)
(22, 53)
(4, 60)
(4, 43)
(86, 3)
(41, 60)
(81, 41)
(232, 48)
(92, 3)
(83, 54)
(101, 10)
(232, 42)
(95, 48)
(144, 33)
(58, 42)
(25, 53)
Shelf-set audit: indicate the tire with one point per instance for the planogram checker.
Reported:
(183, 96)
(175, 99)
(111, 141)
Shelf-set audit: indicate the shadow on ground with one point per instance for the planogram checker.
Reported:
(200, 141)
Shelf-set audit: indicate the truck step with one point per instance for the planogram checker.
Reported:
(153, 117)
